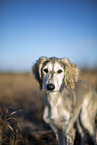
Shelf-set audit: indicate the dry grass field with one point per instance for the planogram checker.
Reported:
(21, 105)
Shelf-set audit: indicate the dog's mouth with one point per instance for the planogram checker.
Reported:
(50, 87)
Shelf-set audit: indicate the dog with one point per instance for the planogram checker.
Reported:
(67, 99)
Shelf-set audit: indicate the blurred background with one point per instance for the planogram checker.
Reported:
(30, 29)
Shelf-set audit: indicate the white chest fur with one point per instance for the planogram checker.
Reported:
(55, 109)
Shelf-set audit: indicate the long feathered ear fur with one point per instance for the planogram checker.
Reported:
(71, 73)
(36, 69)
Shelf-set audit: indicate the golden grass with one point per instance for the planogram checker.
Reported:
(89, 76)
(21, 91)
(20, 85)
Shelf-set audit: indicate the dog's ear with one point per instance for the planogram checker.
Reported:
(36, 69)
(71, 73)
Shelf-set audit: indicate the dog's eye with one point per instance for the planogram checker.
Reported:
(59, 71)
(45, 70)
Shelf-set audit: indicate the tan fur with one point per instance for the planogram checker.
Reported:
(37, 70)
(71, 73)
(74, 102)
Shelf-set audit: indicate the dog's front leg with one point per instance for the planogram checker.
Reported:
(71, 137)
(61, 138)
(64, 139)
(73, 119)
(46, 118)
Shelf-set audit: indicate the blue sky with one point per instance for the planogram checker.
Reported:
(33, 28)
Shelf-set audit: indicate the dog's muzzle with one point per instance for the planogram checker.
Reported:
(50, 87)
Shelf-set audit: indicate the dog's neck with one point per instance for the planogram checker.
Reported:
(52, 97)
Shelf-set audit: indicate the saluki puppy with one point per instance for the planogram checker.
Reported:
(67, 99)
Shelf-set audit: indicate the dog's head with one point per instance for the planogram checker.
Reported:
(53, 72)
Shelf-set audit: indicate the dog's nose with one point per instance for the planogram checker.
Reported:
(51, 87)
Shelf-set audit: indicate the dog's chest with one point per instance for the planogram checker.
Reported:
(57, 110)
